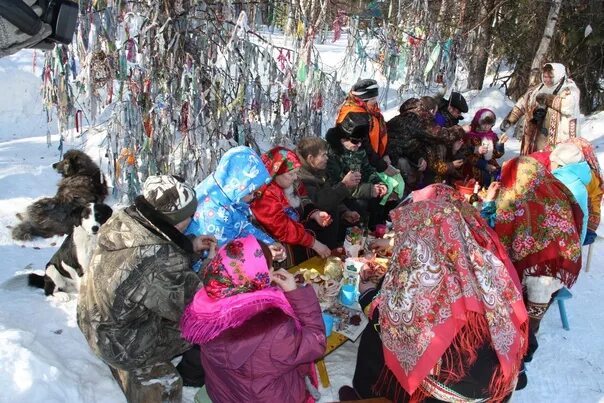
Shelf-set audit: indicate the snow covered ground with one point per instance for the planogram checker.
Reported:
(44, 357)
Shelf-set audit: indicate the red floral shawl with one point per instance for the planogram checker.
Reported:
(440, 191)
(539, 221)
(443, 273)
(280, 160)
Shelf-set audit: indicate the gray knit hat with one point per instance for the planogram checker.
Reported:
(365, 89)
(171, 197)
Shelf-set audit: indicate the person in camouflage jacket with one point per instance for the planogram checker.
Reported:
(140, 279)
(345, 155)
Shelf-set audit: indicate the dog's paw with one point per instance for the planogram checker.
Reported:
(61, 296)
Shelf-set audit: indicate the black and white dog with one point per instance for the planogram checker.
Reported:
(66, 267)
(82, 182)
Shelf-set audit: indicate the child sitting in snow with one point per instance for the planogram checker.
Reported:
(257, 341)
(485, 147)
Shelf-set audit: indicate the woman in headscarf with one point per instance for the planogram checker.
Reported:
(257, 341)
(595, 188)
(223, 198)
(569, 167)
(539, 222)
(282, 211)
(550, 110)
(447, 322)
(361, 104)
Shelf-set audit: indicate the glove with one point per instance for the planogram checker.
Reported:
(505, 125)
(590, 237)
(539, 115)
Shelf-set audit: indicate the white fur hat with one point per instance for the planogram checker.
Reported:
(565, 154)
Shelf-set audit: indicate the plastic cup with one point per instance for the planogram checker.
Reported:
(352, 250)
(328, 322)
(348, 294)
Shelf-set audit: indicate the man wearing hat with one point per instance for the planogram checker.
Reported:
(346, 157)
(450, 110)
(361, 106)
(140, 280)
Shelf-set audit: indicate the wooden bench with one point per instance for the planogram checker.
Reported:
(158, 383)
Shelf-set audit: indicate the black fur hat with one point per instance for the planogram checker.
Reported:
(355, 125)
(458, 101)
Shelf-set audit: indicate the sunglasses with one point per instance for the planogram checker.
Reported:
(355, 141)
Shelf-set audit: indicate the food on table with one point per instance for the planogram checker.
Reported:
(373, 270)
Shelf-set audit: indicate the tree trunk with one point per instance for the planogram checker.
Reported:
(519, 82)
(548, 32)
(481, 45)
(441, 27)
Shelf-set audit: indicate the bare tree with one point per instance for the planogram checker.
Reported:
(548, 32)
(479, 55)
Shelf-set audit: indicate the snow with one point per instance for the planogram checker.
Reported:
(44, 356)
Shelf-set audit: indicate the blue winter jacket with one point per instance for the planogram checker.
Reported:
(576, 177)
(220, 211)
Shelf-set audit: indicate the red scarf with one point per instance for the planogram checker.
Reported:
(538, 221)
(377, 126)
(280, 160)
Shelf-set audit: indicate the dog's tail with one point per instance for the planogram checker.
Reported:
(23, 231)
(35, 280)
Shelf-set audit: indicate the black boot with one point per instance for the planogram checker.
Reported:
(522, 379)
(347, 393)
(190, 368)
(532, 339)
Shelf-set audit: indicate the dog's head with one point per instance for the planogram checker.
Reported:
(93, 216)
(73, 162)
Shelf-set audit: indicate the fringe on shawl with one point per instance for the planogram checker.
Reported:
(200, 329)
(458, 358)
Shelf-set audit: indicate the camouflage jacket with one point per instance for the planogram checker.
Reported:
(135, 290)
(341, 161)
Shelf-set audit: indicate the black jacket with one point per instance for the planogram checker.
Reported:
(324, 195)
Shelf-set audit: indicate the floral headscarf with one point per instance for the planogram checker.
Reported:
(280, 160)
(236, 288)
(477, 122)
(444, 274)
(538, 221)
(478, 225)
(590, 156)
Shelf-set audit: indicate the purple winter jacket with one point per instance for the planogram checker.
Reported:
(266, 359)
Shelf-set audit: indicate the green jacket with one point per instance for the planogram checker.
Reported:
(341, 161)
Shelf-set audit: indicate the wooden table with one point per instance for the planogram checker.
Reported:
(335, 339)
